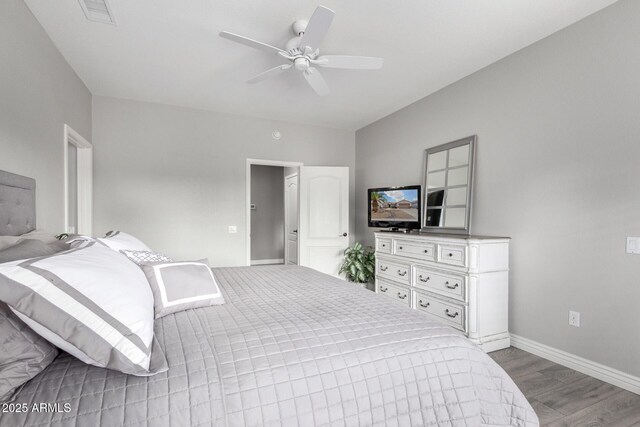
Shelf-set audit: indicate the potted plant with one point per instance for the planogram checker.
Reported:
(359, 264)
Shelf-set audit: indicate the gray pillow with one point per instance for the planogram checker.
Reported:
(7, 241)
(46, 237)
(179, 286)
(23, 353)
(28, 248)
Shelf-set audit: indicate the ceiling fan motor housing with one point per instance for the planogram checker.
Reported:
(301, 64)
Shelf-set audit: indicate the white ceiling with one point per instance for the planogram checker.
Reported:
(169, 52)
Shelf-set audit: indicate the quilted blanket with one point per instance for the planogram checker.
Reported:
(290, 347)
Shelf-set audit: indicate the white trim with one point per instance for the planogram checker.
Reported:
(267, 261)
(580, 364)
(261, 162)
(84, 181)
(287, 257)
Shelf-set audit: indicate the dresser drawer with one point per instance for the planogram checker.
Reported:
(453, 314)
(398, 293)
(383, 246)
(452, 255)
(423, 251)
(395, 271)
(450, 285)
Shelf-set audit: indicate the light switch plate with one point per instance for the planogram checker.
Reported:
(633, 245)
(574, 318)
(233, 229)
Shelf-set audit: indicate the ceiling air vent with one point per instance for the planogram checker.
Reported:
(98, 11)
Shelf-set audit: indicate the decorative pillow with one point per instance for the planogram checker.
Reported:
(29, 248)
(23, 353)
(142, 257)
(91, 302)
(117, 240)
(179, 286)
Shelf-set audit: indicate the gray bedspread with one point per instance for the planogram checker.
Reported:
(290, 347)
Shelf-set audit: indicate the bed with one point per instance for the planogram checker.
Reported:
(291, 346)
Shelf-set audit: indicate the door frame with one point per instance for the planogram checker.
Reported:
(286, 237)
(84, 192)
(261, 162)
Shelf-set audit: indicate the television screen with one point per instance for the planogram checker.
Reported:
(395, 207)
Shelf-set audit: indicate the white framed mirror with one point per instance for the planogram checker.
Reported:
(448, 186)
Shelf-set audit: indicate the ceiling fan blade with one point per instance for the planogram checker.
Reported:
(350, 62)
(316, 81)
(250, 42)
(317, 28)
(270, 73)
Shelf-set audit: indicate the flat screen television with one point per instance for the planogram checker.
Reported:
(395, 207)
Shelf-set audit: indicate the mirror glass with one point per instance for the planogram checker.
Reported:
(448, 186)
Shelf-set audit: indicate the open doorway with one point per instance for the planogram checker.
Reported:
(318, 198)
(78, 183)
(272, 212)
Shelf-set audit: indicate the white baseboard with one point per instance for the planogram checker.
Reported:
(267, 261)
(580, 364)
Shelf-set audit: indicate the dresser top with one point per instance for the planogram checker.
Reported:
(438, 235)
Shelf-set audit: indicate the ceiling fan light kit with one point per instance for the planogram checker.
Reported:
(303, 53)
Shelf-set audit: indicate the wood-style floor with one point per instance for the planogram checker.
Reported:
(563, 397)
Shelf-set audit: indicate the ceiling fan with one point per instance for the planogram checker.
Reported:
(303, 54)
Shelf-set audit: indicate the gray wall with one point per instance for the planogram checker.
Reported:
(175, 177)
(267, 220)
(39, 93)
(558, 170)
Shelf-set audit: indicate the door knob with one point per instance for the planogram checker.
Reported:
(344, 234)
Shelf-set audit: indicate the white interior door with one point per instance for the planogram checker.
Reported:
(324, 217)
(291, 219)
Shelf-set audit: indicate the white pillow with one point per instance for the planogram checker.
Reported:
(91, 302)
(118, 241)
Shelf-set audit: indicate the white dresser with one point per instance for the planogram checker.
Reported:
(461, 280)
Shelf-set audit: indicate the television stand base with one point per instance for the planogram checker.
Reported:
(396, 230)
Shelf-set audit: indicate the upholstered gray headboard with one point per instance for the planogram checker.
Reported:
(17, 204)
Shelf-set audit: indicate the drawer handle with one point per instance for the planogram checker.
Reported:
(453, 316)
(383, 268)
(450, 254)
(426, 251)
(384, 246)
(401, 296)
(421, 304)
(451, 287)
(400, 247)
(422, 279)
(384, 290)
(402, 273)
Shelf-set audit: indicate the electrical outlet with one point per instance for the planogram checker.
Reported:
(633, 245)
(233, 229)
(574, 318)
